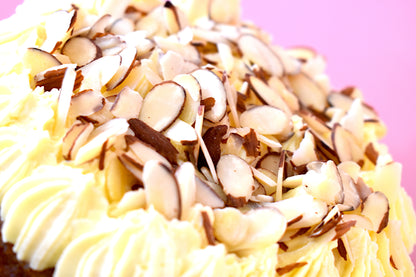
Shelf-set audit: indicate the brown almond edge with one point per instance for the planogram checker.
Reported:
(371, 153)
(209, 229)
(290, 267)
(251, 144)
(152, 137)
(343, 228)
(341, 249)
(212, 139)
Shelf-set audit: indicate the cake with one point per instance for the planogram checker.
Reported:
(171, 138)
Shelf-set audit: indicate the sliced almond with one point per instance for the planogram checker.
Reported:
(260, 53)
(324, 182)
(308, 92)
(225, 12)
(144, 152)
(127, 104)
(270, 161)
(236, 178)
(162, 105)
(193, 97)
(150, 136)
(185, 175)
(101, 134)
(187, 51)
(129, 161)
(99, 27)
(110, 44)
(345, 145)
(352, 199)
(211, 86)
(306, 151)
(171, 17)
(317, 127)
(99, 72)
(212, 139)
(128, 57)
(344, 102)
(181, 132)
(38, 60)
(81, 50)
(376, 208)
(86, 103)
(266, 120)
(53, 77)
(57, 26)
(122, 26)
(172, 64)
(302, 53)
(75, 138)
(267, 95)
(206, 195)
(162, 189)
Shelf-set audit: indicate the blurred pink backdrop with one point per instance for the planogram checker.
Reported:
(370, 44)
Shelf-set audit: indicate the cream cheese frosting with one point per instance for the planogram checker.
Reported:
(188, 145)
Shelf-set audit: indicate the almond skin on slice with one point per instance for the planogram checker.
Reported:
(53, 77)
(162, 105)
(267, 95)
(345, 145)
(162, 189)
(211, 86)
(206, 195)
(128, 57)
(193, 97)
(75, 138)
(150, 136)
(236, 179)
(376, 208)
(144, 152)
(259, 53)
(86, 103)
(81, 50)
(308, 91)
(99, 27)
(37, 61)
(266, 120)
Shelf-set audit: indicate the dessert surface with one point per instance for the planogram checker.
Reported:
(154, 138)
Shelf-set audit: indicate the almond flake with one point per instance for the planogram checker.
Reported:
(81, 50)
(258, 118)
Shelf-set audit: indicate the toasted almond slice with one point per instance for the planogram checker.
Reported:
(270, 161)
(352, 199)
(127, 104)
(193, 97)
(345, 145)
(57, 26)
(206, 195)
(99, 72)
(170, 15)
(81, 50)
(187, 51)
(344, 102)
(236, 178)
(52, 77)
(225, 11)
(181, 132)
(266, 120)
(162, 105)
(128, 57)
(185, 175)
(376, 208)
(122, 26)
(323, 181)
(306, 151)
(75, 138)
(308, 91)
(150, 136)
(267, 95)
(317, 127)
(99, 27)
(86, 103)
(110, 44)
(310, 210)
(129, 161)
(101, 134)
(38, 60)
(144, 152)
(162, 189)
(259, 53)
(302, 53)
(211, 86)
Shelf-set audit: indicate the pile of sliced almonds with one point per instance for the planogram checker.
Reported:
(202, 111)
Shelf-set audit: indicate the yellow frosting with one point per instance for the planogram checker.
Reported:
(66, 215)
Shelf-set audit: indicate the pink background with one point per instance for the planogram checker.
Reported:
(370, 44)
